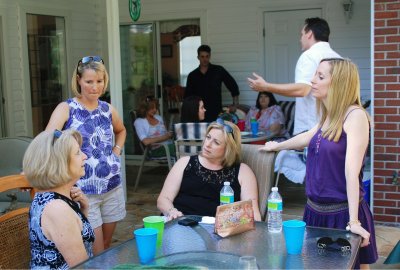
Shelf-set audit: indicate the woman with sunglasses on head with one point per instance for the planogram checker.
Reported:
(59, 231)
(104, 136)
(193, 185)
(336, 149)
(193, 110)
(151, 129)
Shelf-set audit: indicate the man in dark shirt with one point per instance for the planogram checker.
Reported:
(206, 81)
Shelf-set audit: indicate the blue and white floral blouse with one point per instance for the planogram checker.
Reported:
(44, 253)
(102, 167)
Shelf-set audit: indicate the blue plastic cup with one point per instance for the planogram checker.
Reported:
(293, 231)
(254, 127)
(146, 240)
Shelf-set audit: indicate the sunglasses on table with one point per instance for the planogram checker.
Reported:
(227, 128)
(340, 244)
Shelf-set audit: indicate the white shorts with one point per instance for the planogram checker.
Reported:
(106, 208)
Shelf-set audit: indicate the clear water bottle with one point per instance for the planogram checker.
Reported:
(226, 194)
(274, 211)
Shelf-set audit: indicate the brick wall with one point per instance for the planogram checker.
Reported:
(387, 111)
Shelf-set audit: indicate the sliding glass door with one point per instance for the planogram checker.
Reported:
(155, 60)
(139, 78)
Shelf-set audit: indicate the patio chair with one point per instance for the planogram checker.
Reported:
(14, 232)
(189, 138)
(145, 156)
(288, 109)
(12, 150)
(262, 164)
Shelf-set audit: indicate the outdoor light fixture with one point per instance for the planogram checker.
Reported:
(348, 9)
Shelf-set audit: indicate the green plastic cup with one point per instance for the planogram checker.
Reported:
(155, 222)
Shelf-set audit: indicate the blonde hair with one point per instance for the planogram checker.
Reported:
(344, 91)
(233, 141)
(47, 159)
(98, 67)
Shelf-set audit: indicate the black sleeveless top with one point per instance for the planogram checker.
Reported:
(200, 188)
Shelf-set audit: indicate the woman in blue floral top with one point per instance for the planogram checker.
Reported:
(59, 232)
(103, 135)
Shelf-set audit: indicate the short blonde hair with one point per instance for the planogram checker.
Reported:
(233, 142)
(81, 68)
(47, 159)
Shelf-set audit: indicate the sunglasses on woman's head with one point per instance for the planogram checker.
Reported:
(227, 128)
(57, 134)
(339, 244)
(88, 59)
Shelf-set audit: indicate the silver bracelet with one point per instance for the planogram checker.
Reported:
(120, 149)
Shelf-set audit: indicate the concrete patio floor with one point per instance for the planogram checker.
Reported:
(143, 203)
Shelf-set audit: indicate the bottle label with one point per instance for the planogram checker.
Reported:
(274, 206)
(225, 199)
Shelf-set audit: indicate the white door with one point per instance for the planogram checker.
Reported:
(281, 43)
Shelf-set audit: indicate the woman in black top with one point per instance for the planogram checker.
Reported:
(193, 185)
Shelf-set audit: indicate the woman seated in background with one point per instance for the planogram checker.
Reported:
(193, 185)
(59, 231)
(151, 129)
(268, 114)
(193, 110)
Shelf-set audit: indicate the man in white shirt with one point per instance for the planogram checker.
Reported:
(314, 42)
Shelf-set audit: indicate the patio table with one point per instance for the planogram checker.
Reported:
(248, 137)
(183, 244)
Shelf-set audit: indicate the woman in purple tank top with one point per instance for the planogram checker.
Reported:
(336, 151)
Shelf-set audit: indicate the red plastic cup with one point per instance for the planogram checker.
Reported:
(241, 125)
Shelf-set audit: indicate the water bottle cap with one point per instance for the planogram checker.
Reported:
(274, 188)
(227, 183)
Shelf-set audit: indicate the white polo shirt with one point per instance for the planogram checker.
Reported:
(306, 111)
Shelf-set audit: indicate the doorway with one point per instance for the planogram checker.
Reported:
(282, 47)
(155, 60)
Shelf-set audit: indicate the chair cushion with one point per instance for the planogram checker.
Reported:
(190, 132)
(262, 164)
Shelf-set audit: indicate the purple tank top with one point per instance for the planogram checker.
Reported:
(325, 170)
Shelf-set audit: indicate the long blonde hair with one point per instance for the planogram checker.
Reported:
(343, 92)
